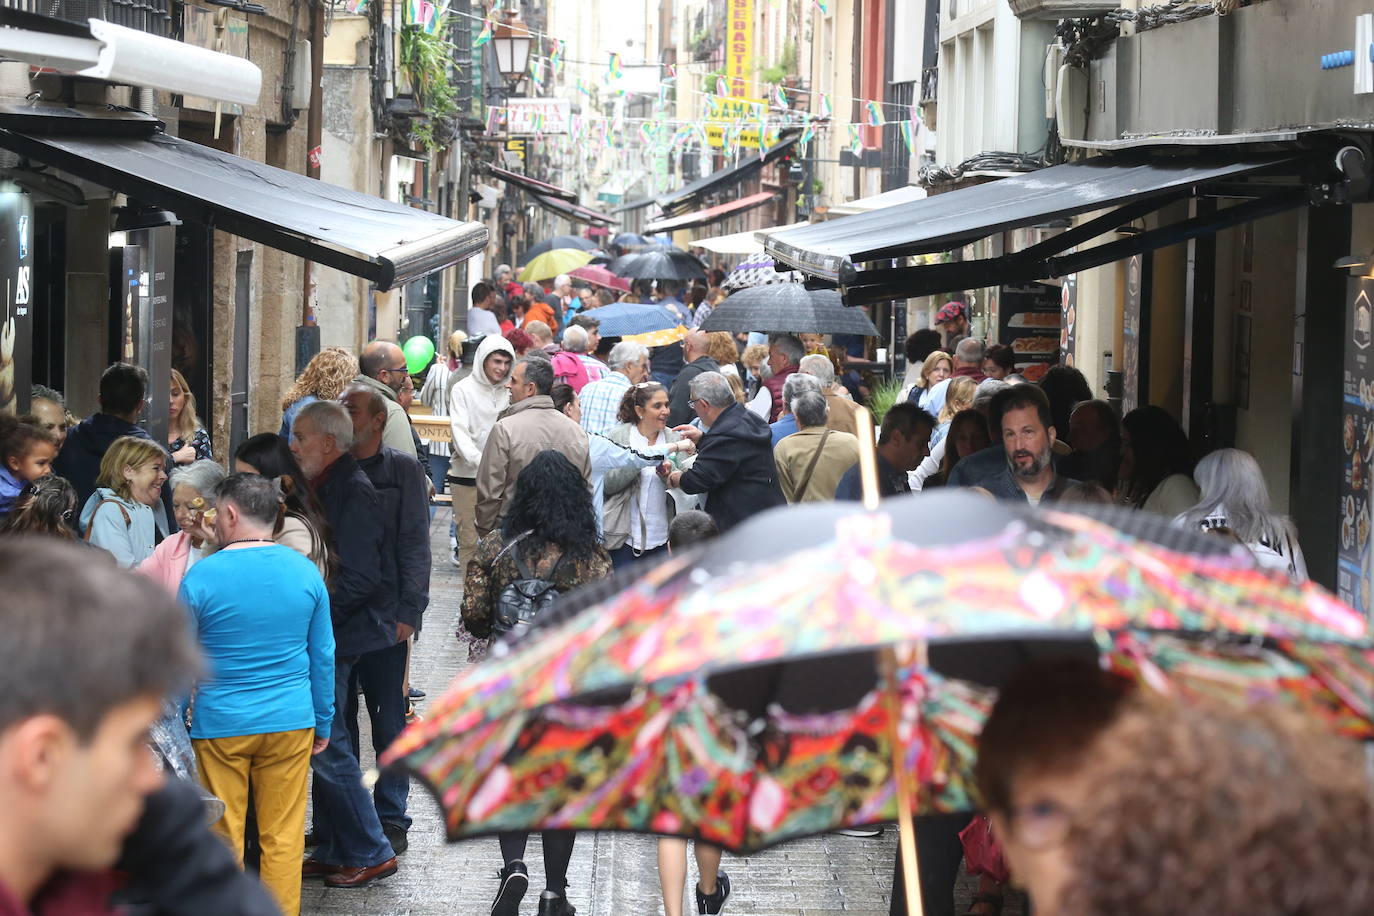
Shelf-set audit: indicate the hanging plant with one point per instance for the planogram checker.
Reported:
(427, 58)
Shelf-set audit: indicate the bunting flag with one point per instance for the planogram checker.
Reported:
(556, 57)
(537, 71)
(584, 87)
(357, 7)
(722, 88)
(483, 36)
(909, 136)
(712, 104)
(820, 5)
(856, 143)
(826, 110)
(662, 97)
(613, 69)
(874, 114)
(422, 13)
(808, 131)
(780, 97)
(646, 134)
(672, 71)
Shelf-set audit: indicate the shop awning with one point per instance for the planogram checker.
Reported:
(710, 214)
(738, 242)
(387, 243)
(683, 197)
(575, 212)
(838, 251)
(881, 201)
(533, 185)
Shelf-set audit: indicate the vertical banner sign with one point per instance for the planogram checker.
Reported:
(1068, 306)
(1130, 334)
(1354, 570)
(739, 48)
(16, 323)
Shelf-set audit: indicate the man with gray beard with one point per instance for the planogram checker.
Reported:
(1027, 437)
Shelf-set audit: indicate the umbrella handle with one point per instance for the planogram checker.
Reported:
(906, 830)
(868, 459)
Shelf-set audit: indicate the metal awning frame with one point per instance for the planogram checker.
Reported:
(573, 211)
(1048, 259)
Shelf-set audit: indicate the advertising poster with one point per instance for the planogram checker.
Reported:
(1130, 334)
(1068, 319)
(1029, 323)
(1354, 569)
(16, 323)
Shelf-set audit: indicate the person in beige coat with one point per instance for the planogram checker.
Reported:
(811, 461)
(844, 412)
(529, 426)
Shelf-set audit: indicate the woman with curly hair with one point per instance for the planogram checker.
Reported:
(324, 379)
(1210, 809)
(550, 531)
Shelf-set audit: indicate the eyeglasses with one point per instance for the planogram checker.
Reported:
(397, 369)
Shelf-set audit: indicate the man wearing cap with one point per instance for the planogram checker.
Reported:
(953, 320)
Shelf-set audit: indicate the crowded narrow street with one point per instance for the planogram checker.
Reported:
(611, 873)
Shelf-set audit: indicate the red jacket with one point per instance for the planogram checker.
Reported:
(774, 385)
(972, 372)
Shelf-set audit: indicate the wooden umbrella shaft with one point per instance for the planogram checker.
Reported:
(906, 829)
(868, 459)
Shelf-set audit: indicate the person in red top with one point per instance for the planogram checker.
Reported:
(784, 354)
(541, 311)
(968, 360)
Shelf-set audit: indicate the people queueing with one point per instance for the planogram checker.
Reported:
(529, 426)
(474, 404)
(811, 461)
(382, 367)
(403, 505)
(697, 359)
(734, 467)
(260, 612)
(352, 849)
(600, 400)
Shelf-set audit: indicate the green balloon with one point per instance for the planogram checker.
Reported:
(419, 352)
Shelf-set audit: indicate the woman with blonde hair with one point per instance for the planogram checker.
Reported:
(187, 439)
(937, 367)
(119, 515)
(720, 346)
(324, 379)
(958, 397)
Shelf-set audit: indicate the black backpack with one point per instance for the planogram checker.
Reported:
(525, 598)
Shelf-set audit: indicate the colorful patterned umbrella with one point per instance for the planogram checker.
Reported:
(623, 716)
(758, 272)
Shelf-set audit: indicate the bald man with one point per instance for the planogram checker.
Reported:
(382, 368)
(694, 347)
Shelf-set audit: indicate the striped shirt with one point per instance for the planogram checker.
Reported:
(600, 402)
(596, 369)
(435, 395)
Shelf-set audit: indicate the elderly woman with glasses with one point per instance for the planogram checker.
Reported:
(193, 497)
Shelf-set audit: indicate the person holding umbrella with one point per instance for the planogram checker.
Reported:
(734, 465)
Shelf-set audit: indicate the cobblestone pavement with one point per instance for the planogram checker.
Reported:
(611, 874)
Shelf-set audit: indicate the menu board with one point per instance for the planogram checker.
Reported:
(1068, 315)
(1354, 569)
(1130, 334)
(1030, 323)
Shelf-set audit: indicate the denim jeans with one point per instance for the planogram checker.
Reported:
(438, 471)
(381, 674)
(346, 825)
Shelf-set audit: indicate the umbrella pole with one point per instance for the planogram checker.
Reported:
(868, 459)
(906, 829)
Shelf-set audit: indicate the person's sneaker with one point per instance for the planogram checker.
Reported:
(515, 880)
(862, 832)
(453, 558)
(411, 714)
(714, 903)
(416, 693)
(396, 835)
(551, 904)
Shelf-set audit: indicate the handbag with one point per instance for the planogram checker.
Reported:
(525, 598)
(811, 467)
(982, 853)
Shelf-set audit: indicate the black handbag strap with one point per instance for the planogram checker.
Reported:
(521, 567)
(811, 467)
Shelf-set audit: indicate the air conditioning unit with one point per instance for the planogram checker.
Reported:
(1054, 59)
(1061, 9)
(1071, 102)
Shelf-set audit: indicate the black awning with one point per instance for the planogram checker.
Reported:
(381, 241)
(634, 204)
(574, 212)
(837, 250)
(686, 196)
(533, 185)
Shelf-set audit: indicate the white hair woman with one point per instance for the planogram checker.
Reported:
(1235, 498)
(193, 493)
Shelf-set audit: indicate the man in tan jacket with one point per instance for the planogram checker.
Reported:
(811, 461)
(529, 426)
(843, 414)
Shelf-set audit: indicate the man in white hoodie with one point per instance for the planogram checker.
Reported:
(474, 404)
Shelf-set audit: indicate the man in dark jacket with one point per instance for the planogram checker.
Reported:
(122, 391)
(352, 849)
(734, 465)
(695, 355)
(403, 495)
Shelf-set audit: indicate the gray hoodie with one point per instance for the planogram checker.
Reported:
(473, 406)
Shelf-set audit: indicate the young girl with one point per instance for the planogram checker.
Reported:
(46, 506)
(26, 454)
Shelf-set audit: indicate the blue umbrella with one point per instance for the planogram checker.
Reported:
(623, 319)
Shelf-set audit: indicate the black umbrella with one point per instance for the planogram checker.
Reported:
(629, 241)
(558, 241)
(659, 264)
(788, 308)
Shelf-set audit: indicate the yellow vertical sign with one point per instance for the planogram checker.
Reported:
(739, 48)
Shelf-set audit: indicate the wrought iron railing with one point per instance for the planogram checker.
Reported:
(152, 16)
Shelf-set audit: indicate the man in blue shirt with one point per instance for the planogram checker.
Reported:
(261, 613)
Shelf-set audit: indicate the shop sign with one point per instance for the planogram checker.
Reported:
(16, 324)
(537, 116)
(739, 47)
(1354, 570)
(749, 137)
(1068, 320)
(1030, 316)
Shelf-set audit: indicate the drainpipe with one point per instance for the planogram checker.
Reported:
(308, 334)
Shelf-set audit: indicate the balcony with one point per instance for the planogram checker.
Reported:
(151, 16)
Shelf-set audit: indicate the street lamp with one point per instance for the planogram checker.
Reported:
(512, 39)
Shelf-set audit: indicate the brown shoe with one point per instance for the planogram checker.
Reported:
(361, 877)
(314, 868)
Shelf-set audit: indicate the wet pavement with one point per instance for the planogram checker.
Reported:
(611, 874)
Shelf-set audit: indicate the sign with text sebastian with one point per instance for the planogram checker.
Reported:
(739, 48)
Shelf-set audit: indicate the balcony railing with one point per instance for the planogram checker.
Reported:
(151, 16)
